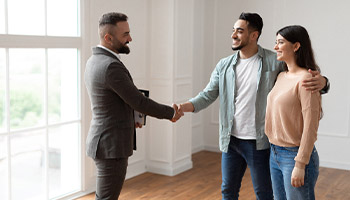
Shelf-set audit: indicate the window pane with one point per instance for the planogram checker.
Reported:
(2, 17)
(26, 17)
(63, 84)
(3, 168)
(26, 87)
(62, 23)
(2, 91)
(64, 160)
(28, 165)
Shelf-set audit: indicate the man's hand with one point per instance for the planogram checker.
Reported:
(138, 125)
(315, 83)
(178, 113)
(297, 179)
(186, 107)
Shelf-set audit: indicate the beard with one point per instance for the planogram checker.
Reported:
(237, 48)
(120, 47)
(240, 46)
(124, 49)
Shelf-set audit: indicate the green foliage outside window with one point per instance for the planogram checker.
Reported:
(26, 109)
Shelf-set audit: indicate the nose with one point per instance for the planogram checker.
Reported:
(233, 35)
(130, 39)
(275, 47)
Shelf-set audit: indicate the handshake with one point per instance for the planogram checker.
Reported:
(181, 109)
(179, 112)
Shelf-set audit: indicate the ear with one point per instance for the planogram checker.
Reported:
(296, 46)
(255, 35)
(107, 38)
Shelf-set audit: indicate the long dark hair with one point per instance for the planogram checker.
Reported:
(304, 55)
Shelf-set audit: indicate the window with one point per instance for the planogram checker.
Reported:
(40, 121)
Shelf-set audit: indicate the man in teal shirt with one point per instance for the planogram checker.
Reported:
(243, 81)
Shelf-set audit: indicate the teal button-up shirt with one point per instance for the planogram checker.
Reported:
(222, 84)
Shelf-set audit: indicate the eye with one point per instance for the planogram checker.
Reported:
(238, 30)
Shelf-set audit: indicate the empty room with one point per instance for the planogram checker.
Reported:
(174, 99)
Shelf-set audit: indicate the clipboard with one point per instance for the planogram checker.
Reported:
(140, 117)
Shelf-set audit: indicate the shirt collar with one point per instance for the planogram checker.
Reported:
(260, 54)
(112, 52)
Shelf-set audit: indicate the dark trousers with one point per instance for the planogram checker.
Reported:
(110, 177)
(240, 154)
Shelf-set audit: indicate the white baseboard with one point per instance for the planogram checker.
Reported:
(212, 148)
(335, 165)
(78, 194)
(169, 170)
(135, 168)
(197, 149)
(323, 163)
(205, 148)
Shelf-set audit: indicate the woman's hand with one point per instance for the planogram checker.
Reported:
(297, 179)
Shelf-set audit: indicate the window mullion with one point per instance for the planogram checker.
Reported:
(65, 40)
(45, 17)
(7, 107)
(46, 125)
(6, 17)
(24, 41)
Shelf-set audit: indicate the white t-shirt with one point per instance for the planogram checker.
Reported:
(246, 88)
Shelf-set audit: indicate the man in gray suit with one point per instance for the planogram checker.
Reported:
(114, 97)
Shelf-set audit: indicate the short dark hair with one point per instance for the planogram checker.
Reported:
(254, 20)
(112, 18)
(108, 21)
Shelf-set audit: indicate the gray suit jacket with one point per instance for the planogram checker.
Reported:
(114, 97)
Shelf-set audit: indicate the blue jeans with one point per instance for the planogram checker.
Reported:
(234, 163)
(281, 167)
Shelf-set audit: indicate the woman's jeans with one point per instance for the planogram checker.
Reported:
(281, 166)
(240, 154)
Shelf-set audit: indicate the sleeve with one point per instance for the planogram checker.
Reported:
(327, 87)
(118, 79)
(311, 109)
(210, 92)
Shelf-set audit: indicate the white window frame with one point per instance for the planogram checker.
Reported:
(79, 42)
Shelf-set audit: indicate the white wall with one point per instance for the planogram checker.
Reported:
(199, 48)
(329, 28)
(160, 60)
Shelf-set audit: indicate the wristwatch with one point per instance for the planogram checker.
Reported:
(325, 89)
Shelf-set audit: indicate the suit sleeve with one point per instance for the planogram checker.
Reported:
(119, 80)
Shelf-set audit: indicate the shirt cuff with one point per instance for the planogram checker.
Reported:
(326, 88)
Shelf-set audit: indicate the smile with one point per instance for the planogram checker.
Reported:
(235, 42)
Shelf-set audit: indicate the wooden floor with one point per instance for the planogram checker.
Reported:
(203, 181)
